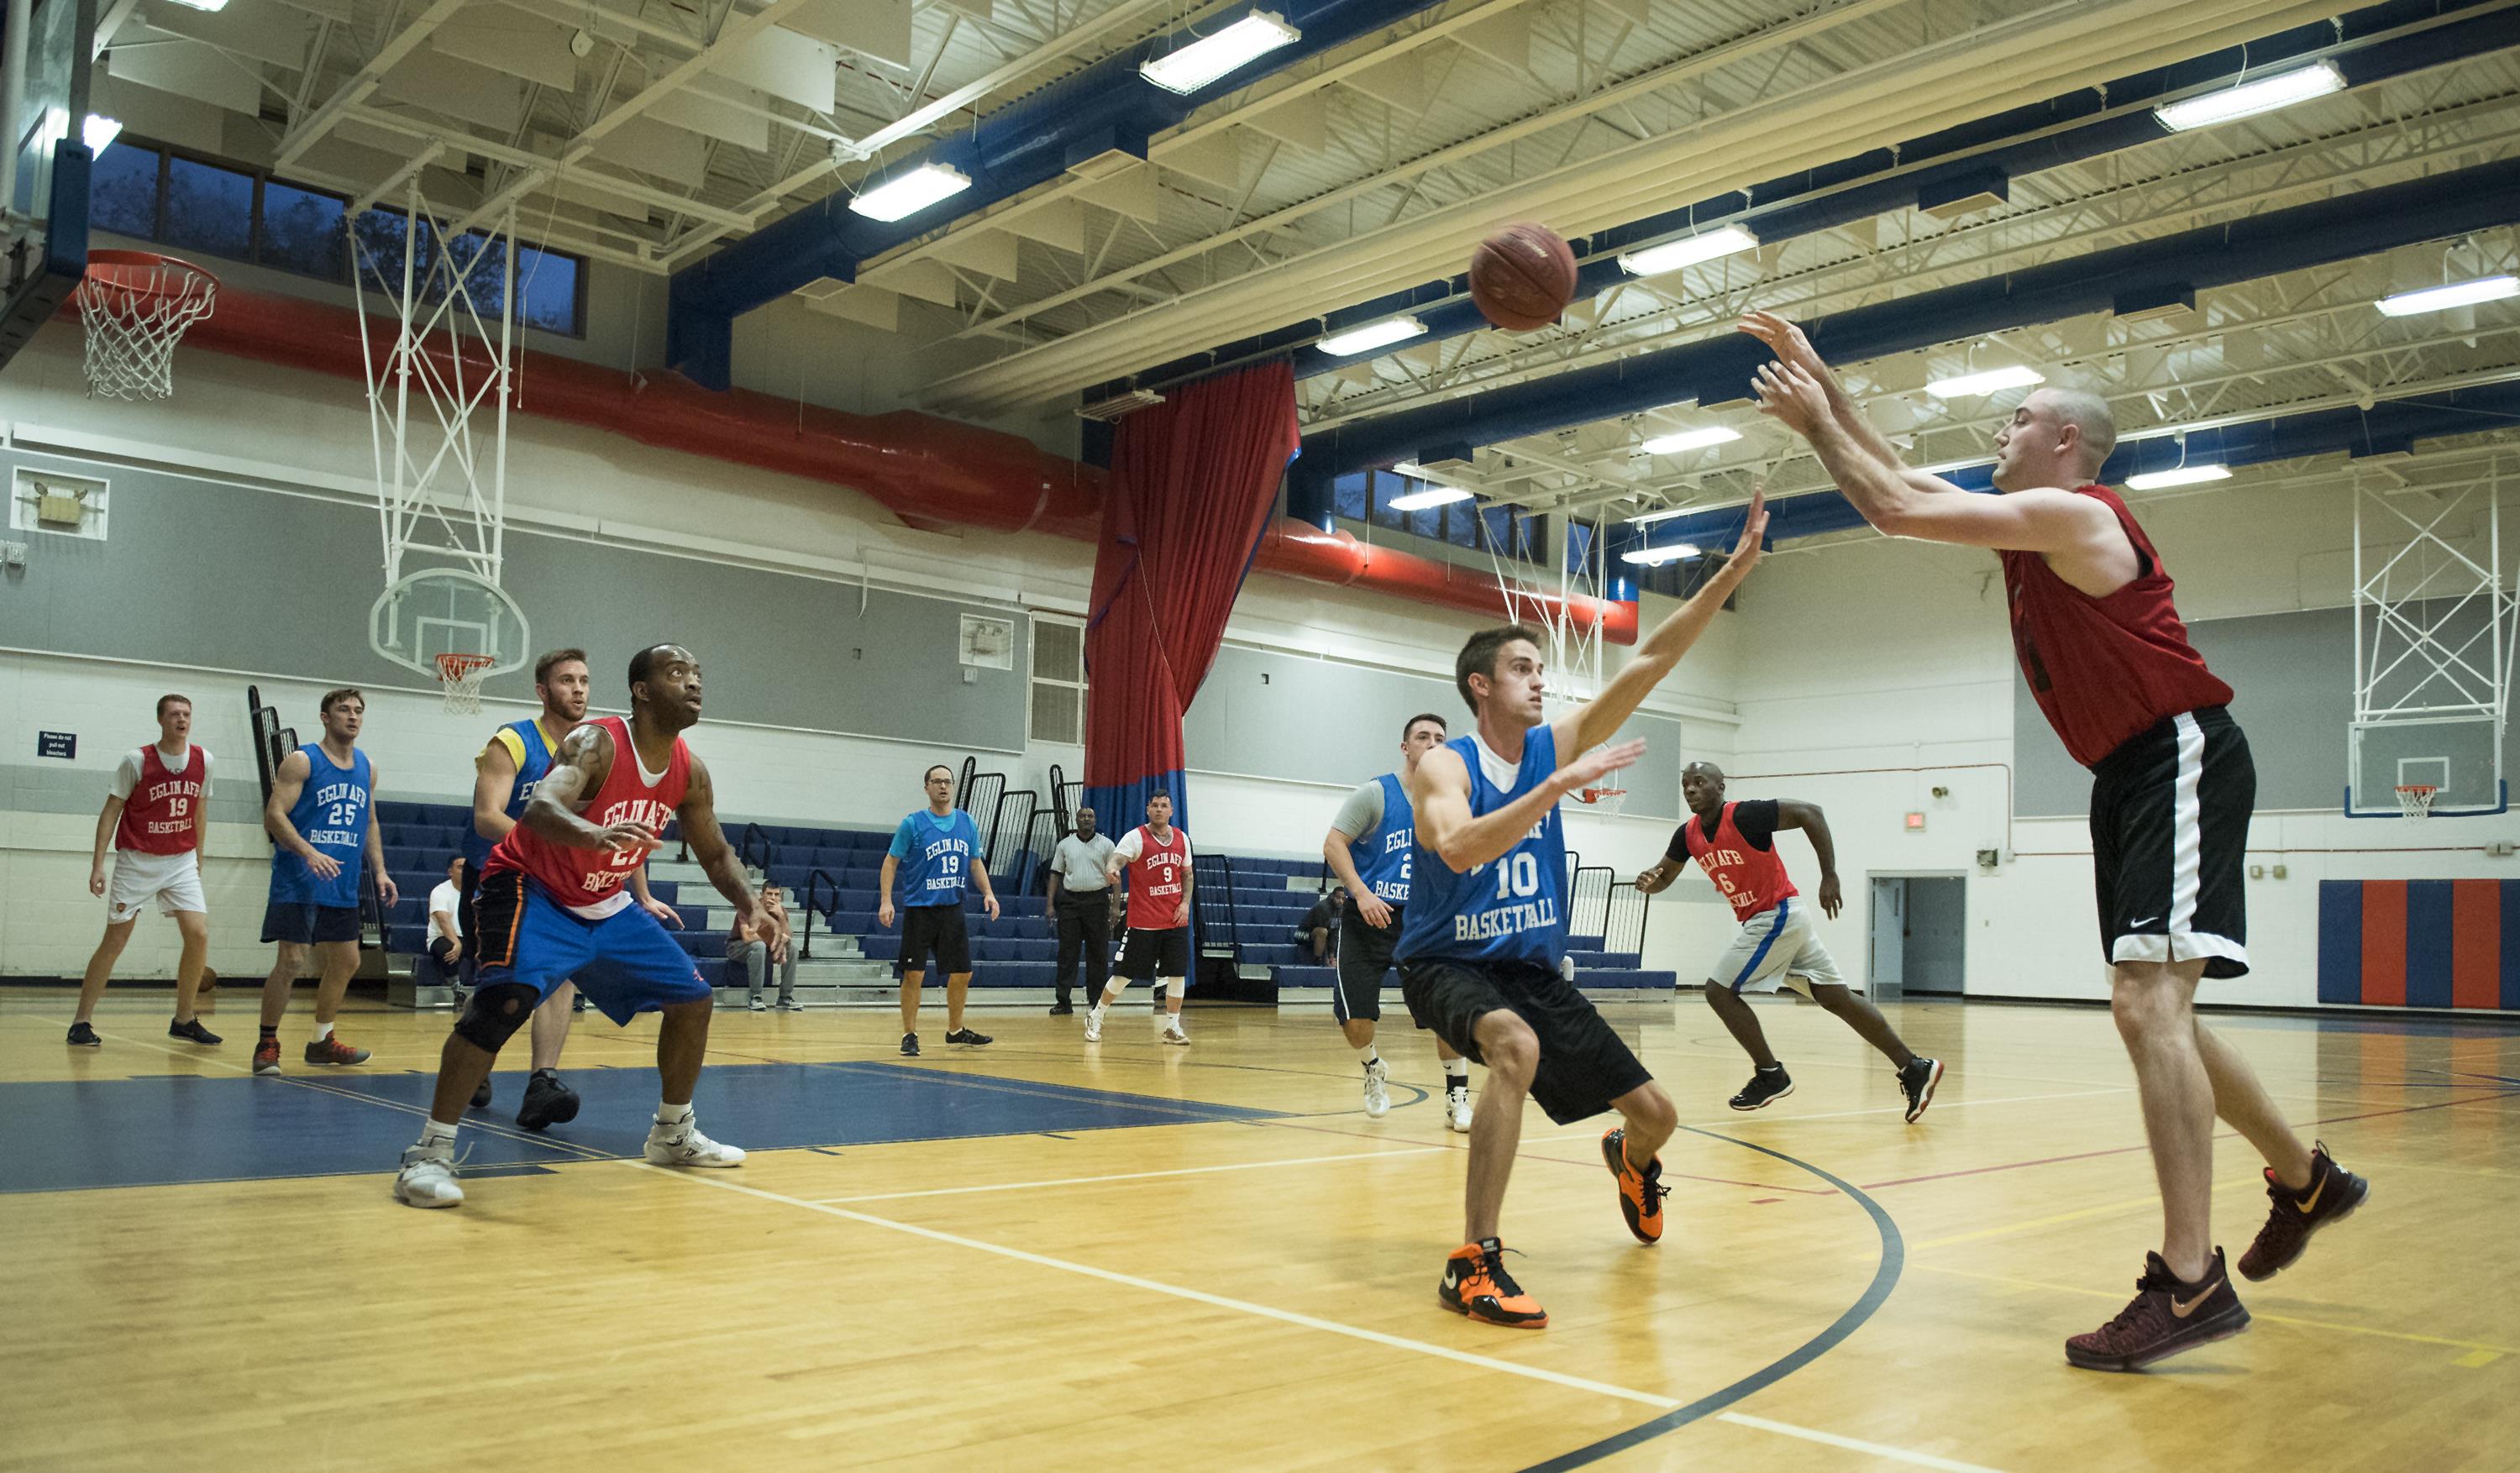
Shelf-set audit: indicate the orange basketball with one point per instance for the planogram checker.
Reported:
(1522, 277)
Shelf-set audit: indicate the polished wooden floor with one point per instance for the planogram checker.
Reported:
(954, 1284)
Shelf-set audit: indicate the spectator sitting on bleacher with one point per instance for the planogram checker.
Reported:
(1321, 928)
(745, 954)
(446, 926)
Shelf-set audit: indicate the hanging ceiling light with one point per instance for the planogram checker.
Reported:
(2179, 475)
(1373, 335)
(1689, 250)
(2490, 289)
(1690, 439)
(2249, 99)
(1991, 382)
(1209, 58)
(910, 192)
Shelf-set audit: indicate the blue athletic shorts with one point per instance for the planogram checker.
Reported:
(625, 963)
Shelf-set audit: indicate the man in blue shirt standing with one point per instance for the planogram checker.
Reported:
(935, 853)
(321, 800)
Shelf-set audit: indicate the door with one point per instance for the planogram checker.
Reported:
(1886, 975)
(1937, 938)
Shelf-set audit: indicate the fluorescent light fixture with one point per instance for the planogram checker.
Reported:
(100, 133)
(204, 4)
(1978, 385)
(1690, 439)
(1209, 58)
(2491, 289)
(2249, 99)
(1671, 255)
(1657, 557)
(1432, 496)
(1665, 515)
(910, 192)
(1373, 335)
(2184, 475)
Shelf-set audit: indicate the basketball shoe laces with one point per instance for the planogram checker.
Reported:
(2139, 1307)
(1492, 1266)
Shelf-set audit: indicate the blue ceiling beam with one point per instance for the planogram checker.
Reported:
(2390, 427)
(1982, 155)
(1026, 143)
(1718, 370)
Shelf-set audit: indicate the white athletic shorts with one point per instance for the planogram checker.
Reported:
(173, 880)
(1777, 949)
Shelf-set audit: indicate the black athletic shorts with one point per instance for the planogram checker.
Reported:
(1583, 1065)
(1148, 954)
(1364, 956)
(303, 924)
(938, 931)
(2170, 824)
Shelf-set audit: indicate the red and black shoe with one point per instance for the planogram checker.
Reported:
(1477, 1285)
(2333, 1193)
(2165, 1317)
(1641, 1193)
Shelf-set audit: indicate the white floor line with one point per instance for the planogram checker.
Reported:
(1196, 1296)
(1131, 1176)
(1852, 1445)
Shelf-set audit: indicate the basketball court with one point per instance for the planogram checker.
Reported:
(1110, 401)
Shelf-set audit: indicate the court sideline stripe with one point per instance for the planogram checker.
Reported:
(1852, 1445)
(1196, 1296)
(1885, 1278)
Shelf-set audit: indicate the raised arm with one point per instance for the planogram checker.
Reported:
(286, 787)
(1440, 791)
(1807, 817)
(375, 847)
(717, 859)
(1656, 878)
(1658, 653)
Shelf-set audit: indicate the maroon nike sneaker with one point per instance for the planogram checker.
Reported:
(2165, 1317)
(2333, 1193)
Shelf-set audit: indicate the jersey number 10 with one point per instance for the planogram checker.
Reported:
(1517, 875)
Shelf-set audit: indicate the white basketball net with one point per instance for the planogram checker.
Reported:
(461, 676)
(134, 315)
(2415, 801)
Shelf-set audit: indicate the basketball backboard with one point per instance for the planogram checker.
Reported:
(441, 610)
(44, 67)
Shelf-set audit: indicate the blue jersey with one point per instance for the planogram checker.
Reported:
(1384, 858)
(533, 758)
(936, 856)
(331, 814)
(1512, 909)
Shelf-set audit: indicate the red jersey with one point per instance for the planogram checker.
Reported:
(1155, 880)
(161, 813)
(1752, 879)
(588, 881)
(2104, 670)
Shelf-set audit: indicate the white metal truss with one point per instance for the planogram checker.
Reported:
(2420, 651)
(442, 479)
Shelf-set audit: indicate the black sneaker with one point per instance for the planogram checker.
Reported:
(577, 1004)
(190, 1031)
(2333, 1192)
(966, 1036)
(1766, 1087)
(482, 1094)
(1061, 1009)
(547, 1101)
(1917, 1082)
(2167, 1316)
(82, 1036)
(910, 1046)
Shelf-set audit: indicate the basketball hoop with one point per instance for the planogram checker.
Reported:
(135, 304)
(460, 675)
(2415, 801)
(1609, 796)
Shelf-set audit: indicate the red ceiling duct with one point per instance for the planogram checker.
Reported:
(924, 469)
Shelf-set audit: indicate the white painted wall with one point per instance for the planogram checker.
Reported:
(260, 424)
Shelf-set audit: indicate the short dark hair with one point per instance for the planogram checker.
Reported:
(643, 663)
(1479, 656)
(1411, 723)
(1158, 793)
(455, 859)
(335, 697)
(543, 666)
(171, 696)
(936, 767)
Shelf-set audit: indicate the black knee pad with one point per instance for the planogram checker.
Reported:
(495, 1013)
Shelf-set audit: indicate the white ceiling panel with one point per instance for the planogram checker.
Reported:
(703, 108)
(879, 29)
(786, 65)
(189, 68)
(659, 149)
(440, 83)
(506, 39)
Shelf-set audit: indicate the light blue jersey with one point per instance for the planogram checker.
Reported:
(1512, 909)
(332, 815)
(1384, 857)
(936, 856)
(525, 742)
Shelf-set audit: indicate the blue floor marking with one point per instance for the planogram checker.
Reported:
(169, 1128)
(1885, 1278)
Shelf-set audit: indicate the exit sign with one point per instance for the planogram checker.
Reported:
(1916, 822)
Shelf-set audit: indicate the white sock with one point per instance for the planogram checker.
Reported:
(1096, 1012)
(1366, 1056)
(673, 1114)
(322, 1031)
(435, 1136)
(1457, 1074)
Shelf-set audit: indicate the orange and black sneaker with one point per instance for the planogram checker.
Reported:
(2167, 1316)
(1477, 1285)
(2333, 1192)
(266, 1055)
(1641, 1194)
(332, 1050)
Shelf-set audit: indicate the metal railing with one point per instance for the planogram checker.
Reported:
(1042, 832)
(754, 837)
(1587, 903)
(1220, 932)
(1625, 928)
(814, 883)
(1009, 825)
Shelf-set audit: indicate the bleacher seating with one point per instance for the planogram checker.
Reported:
(1020, 949)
